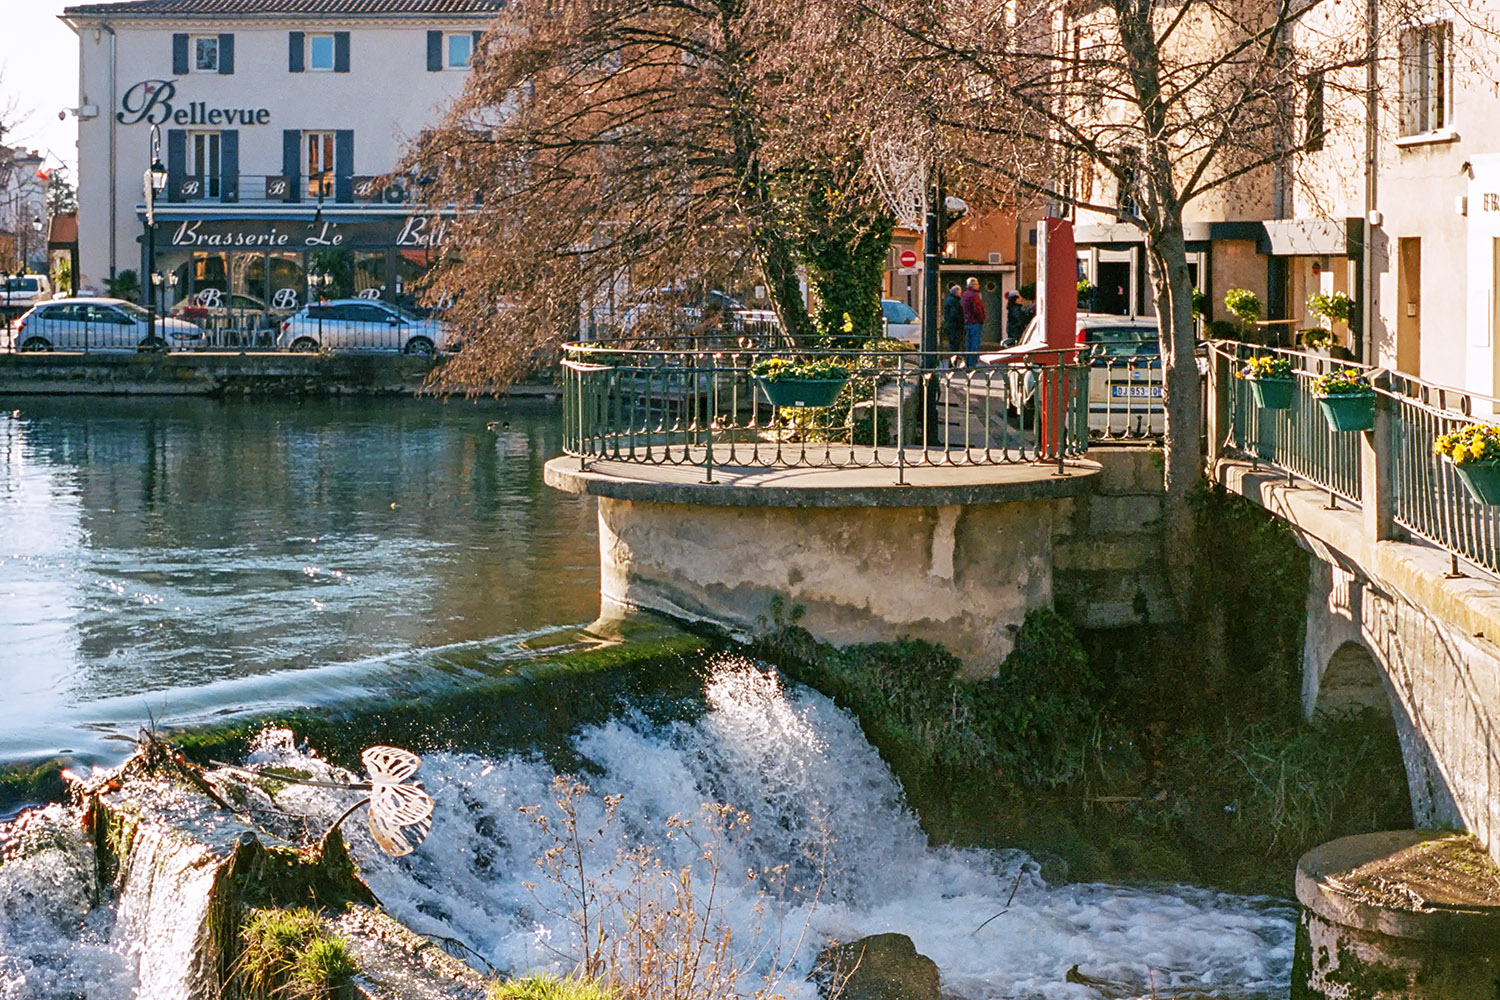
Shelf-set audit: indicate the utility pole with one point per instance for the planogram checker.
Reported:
(932, 248)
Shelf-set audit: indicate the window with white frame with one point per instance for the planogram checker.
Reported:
(320, 53)
(203, 161)
(459, 47)
(1426, 78)
(206, 54)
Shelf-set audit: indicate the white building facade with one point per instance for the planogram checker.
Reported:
(280, 124)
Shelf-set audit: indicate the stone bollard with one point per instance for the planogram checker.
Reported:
(1401, 915)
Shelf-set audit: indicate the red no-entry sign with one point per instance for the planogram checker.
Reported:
(908, 258)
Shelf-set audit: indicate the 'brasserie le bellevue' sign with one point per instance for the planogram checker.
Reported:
(411, 232)
(150, 101)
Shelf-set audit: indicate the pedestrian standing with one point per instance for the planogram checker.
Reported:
(1016, 318)
(953, 320)
(973, 306)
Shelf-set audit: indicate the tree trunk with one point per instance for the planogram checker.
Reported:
(1183, 400)
(1182, 396)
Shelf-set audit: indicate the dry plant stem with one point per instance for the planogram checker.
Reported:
(649, 932)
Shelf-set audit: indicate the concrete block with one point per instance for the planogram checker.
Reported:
(1128, 470)
(1125, 515)
(1133, 554)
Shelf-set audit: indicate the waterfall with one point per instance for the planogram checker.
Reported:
(823, 810)
(55, 943)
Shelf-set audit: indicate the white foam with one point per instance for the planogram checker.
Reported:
(822, 803)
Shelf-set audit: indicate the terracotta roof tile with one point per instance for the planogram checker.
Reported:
(286, 8)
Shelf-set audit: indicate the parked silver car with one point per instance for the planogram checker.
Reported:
(101, 324)
(360, 325)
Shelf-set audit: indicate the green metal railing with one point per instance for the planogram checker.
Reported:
(702, 405)
(1297, 440)
(1424, 494)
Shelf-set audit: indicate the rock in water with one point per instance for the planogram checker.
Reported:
(878, 967)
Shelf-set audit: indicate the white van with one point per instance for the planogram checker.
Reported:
(18, 292)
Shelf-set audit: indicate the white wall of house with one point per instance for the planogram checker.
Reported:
(386, 97)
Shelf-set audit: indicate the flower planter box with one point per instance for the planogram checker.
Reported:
(801, 392)
(1481, 479)
(1353, 411)
(1274, 393)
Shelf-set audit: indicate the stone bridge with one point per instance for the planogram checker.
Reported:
(1390, 626)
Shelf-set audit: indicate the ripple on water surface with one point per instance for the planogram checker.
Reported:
(152, 548)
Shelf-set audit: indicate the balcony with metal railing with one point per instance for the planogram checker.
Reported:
(286, 189)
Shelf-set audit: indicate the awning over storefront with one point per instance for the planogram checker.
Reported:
(1305, 237)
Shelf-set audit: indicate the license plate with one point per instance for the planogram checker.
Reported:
(1135, 391)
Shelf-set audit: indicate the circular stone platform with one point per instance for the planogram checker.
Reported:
(740, 486)
(956, 555)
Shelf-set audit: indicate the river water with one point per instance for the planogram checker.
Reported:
(185, 560)
(181, 559)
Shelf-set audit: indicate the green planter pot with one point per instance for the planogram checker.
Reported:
(1481, 479)
(800, 391)
(1354, 411)
(1274, 393)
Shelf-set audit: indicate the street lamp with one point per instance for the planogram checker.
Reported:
(152, 184)
(36, 227)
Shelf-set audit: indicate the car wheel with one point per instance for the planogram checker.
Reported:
(36, 344)
(152, 345)
(304, 345)
(419, 347)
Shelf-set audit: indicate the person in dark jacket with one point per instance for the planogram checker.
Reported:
(1016, 318)
(953, 319)
(973, 306)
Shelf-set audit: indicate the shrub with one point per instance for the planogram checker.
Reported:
(1346, 382)
(1471, 443)
(548, 987)
(1333, 307)
(1266, 366)
(290, 955)
(775, 369)
(1244, 304)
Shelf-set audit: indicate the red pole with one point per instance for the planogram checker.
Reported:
(1057, 307)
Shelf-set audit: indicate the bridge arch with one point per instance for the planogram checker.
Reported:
(1350, 682)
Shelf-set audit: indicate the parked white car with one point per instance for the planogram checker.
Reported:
(360, 325)
(101, 324)
(673, 311)
(1125, 380)
(901, 321)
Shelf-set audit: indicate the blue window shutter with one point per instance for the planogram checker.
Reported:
(176, 161)
(229, 161)
(296, 50)
(343, 165)
(434, 51)
(341, 51)
(226, 54)
(179, 54)
(291, 162)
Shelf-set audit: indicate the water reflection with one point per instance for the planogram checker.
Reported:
(160, 545)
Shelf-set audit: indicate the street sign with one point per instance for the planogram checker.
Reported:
(908, 258)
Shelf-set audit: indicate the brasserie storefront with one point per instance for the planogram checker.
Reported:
(241, 276)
